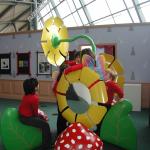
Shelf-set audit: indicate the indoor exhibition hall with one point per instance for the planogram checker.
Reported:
(74, 74)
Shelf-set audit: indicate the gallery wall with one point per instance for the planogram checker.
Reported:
(133, 47)
(132, 43)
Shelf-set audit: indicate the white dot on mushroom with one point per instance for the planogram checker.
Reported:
(79, 137)
(79, 124)
(61, 135)
(80, 146)
(97, 144)
(82, 130)
(89, 145)
(58, 148)
(87, 137)
(67, 134)
(67, 145)
(74, 130)
(91, 134)
(73, 141)
(62, 141)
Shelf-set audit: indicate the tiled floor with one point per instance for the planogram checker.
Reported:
(140, 120)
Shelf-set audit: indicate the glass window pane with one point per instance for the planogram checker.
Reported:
(69, 21)
(77, 19)
(83, 17)
(43, 11)
(39, 25)
(57, 1)
(63, 9)
(98, 9)
(47, 7)
(129, 3)
(77, 3)
(50, 5)
(116, 6)
(134, 15)
(53, 12)
(141, 1)
(87, 1)
(146, 11)
(71, 5)
(122, 17)
(107, 20)
(46, 17)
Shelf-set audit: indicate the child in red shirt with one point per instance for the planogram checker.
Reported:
(114, 93)
(31, 115)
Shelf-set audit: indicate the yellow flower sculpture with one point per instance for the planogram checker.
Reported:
(54, 29)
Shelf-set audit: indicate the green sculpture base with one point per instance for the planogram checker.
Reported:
(17, 136)
(118, 128)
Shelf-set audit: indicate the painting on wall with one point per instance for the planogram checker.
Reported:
(43, 66)
(23, 63)
(5, 63)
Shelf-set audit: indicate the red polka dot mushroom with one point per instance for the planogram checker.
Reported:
(78, 137)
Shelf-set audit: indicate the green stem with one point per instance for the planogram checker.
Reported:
(56, 41)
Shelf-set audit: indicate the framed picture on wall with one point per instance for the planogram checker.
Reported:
(23, 63)
(5, 63)
(43, 66)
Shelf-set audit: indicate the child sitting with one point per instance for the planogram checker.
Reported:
(31, 115)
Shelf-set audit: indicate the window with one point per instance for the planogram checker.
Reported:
(116, 5)
(77, 4)
(53, 12)
(87, 1)
(39, 25)
(69, 21)
(46, 17)
(83, 17)
(71, 5)
(98, 9)
(122, 17)
(107, 20)
(63, 9)
(43, 12)
(141, 1)
(129, 3)
(77, 19)
(134, 15)
(146, 11)
(57, 1)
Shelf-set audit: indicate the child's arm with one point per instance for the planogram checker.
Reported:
(118, 91)
(42, 114)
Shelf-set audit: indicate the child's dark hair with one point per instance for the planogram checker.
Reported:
(29, 86)
(77, 54)
(88, 52)
(83, 52)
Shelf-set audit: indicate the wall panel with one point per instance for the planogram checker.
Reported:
(13, 89)
(145, 95)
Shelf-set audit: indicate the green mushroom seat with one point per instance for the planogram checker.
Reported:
(118, 128)
(17, 136)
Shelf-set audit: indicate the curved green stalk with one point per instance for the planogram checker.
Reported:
(56, 41)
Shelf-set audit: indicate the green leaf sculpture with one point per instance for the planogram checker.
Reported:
(118, 128)
(17, 136)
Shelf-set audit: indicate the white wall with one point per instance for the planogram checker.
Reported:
(132, 92)
(126, 37)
